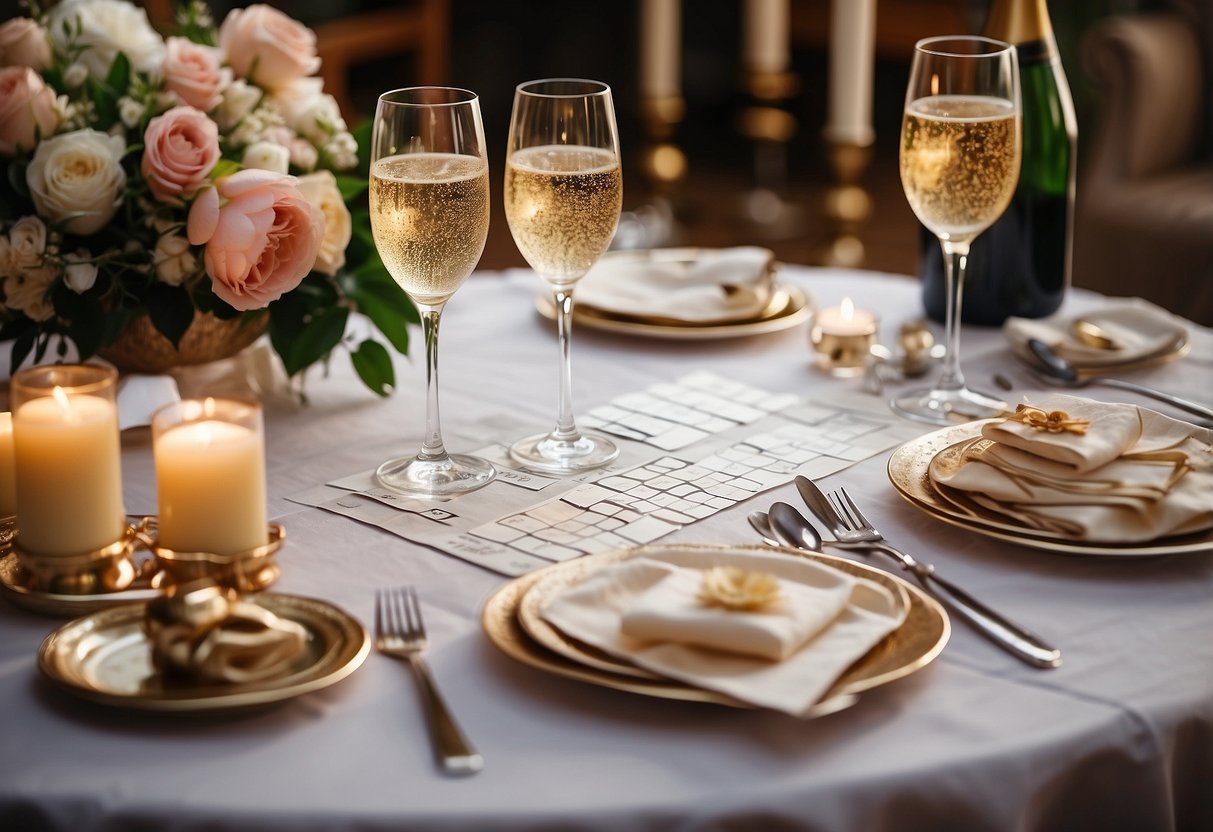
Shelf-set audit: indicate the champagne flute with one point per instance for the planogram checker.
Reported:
(960, 158)
(429, 200)
(563, 195)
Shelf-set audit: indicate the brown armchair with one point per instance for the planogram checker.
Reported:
(1144, 221)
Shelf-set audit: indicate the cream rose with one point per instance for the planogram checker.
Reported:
(79, 176)
(320, 189)
(26, 292)
(24, 43)
(27, 243)
(267, 47)
(107, 28)
(195, 74)
(27, 109)
(173, 259)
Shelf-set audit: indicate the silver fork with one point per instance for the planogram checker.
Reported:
(400, 632)
(839, 512)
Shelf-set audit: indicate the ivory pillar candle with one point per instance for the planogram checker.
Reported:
(8, 481)
(661, 48)
(852, 39)
(766, 46)
(67, 453)
(210, 476)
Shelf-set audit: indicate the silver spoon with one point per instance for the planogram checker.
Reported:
(793, 529)
(1058, 371)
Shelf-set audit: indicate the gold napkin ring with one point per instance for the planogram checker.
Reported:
(738, 589)
(1053, 421)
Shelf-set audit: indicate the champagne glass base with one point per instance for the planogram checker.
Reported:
(447, 476)
(947, 407)
(548, 454)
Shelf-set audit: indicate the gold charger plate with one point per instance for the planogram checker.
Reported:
(909, 470)
(912, 646)
(15, 588)
(106, 657)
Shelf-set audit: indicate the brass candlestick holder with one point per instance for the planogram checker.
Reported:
(107, 569)
(663, 163)
(769, 124)
(846, 207)
(252, 570)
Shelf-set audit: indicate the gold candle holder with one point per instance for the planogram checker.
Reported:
(841, 338)
(251, 570)
(846, 207)
(770, 125)
(109, 568)
(664, 164)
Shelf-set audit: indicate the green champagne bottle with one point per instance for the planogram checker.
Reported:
(1021, 264)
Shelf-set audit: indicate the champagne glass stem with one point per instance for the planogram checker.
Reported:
(432, 448)
(566, 429)
(955, 259)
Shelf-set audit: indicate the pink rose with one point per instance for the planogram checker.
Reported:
(267, 47)
(24, 43)
(193, 72)
(180, 149)
(262, 237)
(27, 109)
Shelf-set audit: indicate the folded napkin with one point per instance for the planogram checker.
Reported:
(722, 285)
(1136, 474)
(646, 611)
(1142, 329)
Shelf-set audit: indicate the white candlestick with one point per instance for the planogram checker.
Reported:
(8, 477)
(852, 37)
(661, 48)
(766, 36)
(210, 480)
(68, 473)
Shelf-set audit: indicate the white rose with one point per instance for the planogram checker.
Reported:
(26, 292)
(308, 110)
(239, 99)
(78, 176)
(28, 242)
(267, 156)
(320, 189)
(107, 28)
(173, 259)
(79, 274)
(75, 75)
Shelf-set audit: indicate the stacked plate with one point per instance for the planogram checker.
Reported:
(513, 621)
(686, 294)
(913, 468)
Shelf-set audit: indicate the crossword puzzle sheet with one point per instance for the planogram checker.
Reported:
(717, 442)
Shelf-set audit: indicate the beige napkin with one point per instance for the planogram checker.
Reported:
(1159, 482)
(656, 596)
(721, 285)
(1143, 330)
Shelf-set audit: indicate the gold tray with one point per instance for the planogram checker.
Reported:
(14, 587)
(912, 646)
(909, 471)
(106, 657)
(789, 306)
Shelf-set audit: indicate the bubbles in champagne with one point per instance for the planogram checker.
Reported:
(430, 219)
(562, 203)
(959, 162)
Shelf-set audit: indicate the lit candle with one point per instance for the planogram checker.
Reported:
(841, 337)
(8, 480)
(67, 451)
(661, 48)
(766, 35)
(852, 37)
(210, 476)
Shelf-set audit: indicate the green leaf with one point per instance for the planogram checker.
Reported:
(303, 347)
(119, 76)
(362, 134)
(374, 366)
(16, 177)
(105, 103)
(171, 311)
(222, 168)
(350, 186)
(386, 319)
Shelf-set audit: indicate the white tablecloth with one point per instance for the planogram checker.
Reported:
(1120, 737)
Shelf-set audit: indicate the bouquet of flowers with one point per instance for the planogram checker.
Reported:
(207, 173)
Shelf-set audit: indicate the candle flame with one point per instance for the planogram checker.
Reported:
(848, 309)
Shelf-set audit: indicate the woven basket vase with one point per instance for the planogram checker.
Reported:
(142, 349)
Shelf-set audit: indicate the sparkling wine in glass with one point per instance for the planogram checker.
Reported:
(960, 158)
(429, 202)
(563, 195)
